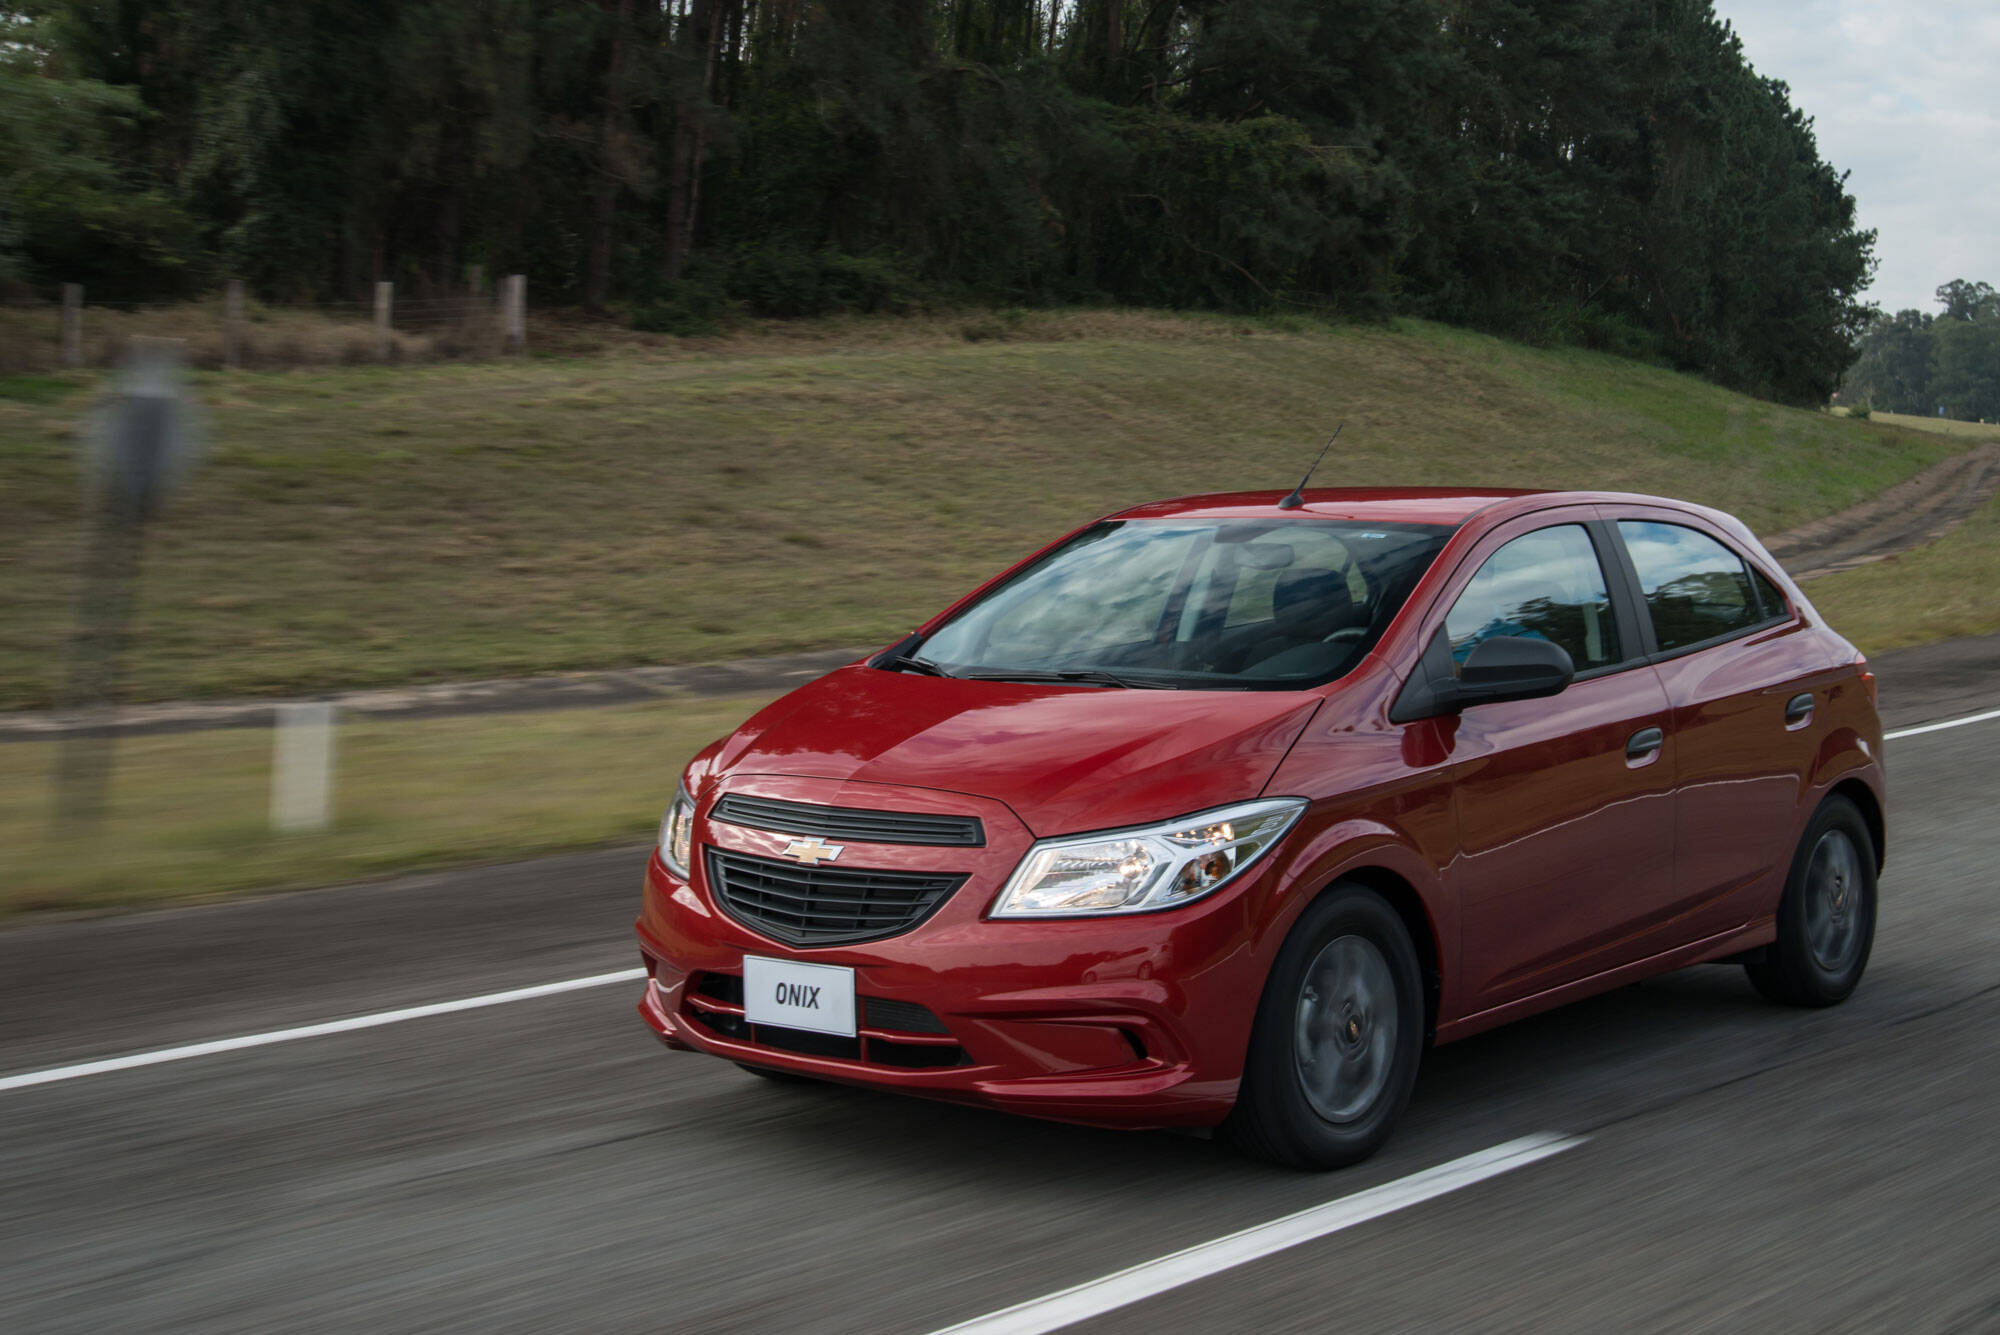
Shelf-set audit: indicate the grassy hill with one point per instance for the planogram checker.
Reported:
(808, 485)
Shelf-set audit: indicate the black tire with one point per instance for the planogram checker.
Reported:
(776, 1077)
(1826, 918)
(1368, 1045)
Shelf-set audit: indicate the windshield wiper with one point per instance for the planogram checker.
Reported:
(1089, 676)
(911, 663)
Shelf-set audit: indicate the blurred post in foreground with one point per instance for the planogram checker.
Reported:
(142, 441)
(72, 325)
(514, 311)
(232, 324)
(302, 768)
(385, 305)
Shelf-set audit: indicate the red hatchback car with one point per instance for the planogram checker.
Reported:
(1217, 811)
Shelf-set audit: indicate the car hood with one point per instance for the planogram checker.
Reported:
(1063, 758)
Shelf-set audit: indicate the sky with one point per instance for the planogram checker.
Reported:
(1906, 96)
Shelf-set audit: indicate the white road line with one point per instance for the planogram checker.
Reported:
(1987, 717)
(159, 1055)
(1210, 1258)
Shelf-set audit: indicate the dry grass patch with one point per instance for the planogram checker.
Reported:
(800, 486)
(1944, 426)
(274, 336)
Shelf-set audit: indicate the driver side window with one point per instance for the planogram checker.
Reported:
(1546, 585)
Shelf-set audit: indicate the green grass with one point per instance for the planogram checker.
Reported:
(189, 813)
(1948, 589)
(810, 485)
(38, 389)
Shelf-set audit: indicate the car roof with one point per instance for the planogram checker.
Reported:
(1411, 505)
(1452, 506)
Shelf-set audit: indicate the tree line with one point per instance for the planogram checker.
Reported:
(1608, 172)
(1943, 365)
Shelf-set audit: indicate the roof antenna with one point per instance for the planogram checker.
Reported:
(1298, 496)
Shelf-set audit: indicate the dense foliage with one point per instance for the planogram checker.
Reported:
(1604, 171)
(1944, 365)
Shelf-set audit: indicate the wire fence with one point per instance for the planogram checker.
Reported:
(227, 329)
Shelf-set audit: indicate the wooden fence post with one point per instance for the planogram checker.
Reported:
(72, 324)
(516, 307)
(232, 325)
(385, 301)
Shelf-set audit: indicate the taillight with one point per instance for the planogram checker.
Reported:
(1867, 677)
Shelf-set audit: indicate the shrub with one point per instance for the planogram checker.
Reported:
(788, 281)
(691, 307)
(992, 326)
(678, 318)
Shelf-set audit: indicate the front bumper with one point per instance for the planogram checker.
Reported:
(1138, 1021)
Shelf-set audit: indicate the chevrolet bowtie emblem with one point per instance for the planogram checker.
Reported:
(812, 851)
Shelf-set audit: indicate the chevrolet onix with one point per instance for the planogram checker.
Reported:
(1219, 811)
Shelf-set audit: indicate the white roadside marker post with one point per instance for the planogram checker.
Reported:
(302, 768)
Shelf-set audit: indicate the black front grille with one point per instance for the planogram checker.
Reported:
(807, 1042)
(722, 986)
(823, 906)
(850, 823)
(906, 1016)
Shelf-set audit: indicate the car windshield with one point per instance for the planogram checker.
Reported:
(1275, 604)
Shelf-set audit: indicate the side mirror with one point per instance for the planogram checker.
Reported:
(1509, 667)
(1506, 667)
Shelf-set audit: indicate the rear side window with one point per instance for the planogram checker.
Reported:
(1696, 589)
(1774, 602)
(1545, 585)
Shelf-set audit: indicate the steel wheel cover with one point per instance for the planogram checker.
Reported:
(1345, 1029)
(1834, 907)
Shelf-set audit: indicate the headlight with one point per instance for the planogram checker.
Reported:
(677, 833)
(1135, 871)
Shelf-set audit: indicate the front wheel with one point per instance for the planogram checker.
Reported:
(1826, 919)
(1337, 1038)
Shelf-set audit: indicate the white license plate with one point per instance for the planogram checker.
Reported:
(819, 997)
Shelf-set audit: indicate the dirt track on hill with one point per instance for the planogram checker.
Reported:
(1910, 514)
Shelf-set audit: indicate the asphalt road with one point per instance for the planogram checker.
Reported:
(545, 1165)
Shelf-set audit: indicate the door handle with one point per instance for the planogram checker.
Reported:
(1642, 746)
(1799, 710)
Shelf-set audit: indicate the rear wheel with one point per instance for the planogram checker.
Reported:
(1338, 1034)
(1826, 919)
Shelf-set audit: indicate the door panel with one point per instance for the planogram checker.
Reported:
(1566, 864)
(1565, 805)
(1743, 769)
(1746, 741)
